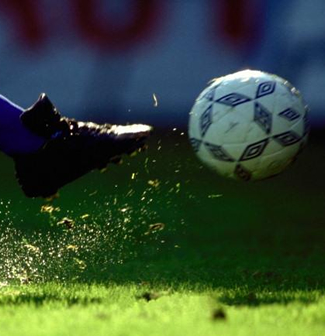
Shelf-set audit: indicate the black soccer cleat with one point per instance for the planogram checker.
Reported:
(72, 148)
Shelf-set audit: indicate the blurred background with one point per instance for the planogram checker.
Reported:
(147, 60)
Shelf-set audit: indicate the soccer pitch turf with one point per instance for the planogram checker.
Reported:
(162, 246)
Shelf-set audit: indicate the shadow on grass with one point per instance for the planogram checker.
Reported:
(25, 298)
(256, 299)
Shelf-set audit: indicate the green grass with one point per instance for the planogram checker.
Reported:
(229, 259)
(54, 309)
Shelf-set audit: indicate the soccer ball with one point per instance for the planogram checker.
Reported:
(249, 125)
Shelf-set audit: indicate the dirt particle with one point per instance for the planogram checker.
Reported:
(72, 248)
(67, 222)
(148, 296)
(49, 208)
(219, 314)
(155, 227)
(154, 183)
(32, 248)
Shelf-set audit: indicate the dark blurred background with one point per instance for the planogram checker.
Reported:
(107, 60)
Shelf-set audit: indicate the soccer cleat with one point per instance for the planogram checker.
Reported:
(71, 148)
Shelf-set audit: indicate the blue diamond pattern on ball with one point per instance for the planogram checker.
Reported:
(195, 144)
(254, 150)
(210, 94)
(233, 99)
(287, 138)
(289, 114)
(263, 118)
(206, 120)
(242, 173)
(218, 152)
(265, 88)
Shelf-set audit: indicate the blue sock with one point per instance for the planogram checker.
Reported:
(14, 137)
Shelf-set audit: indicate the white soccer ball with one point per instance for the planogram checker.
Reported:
(249, 125)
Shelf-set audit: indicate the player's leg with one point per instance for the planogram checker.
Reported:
(14, 136)
(71, 148)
